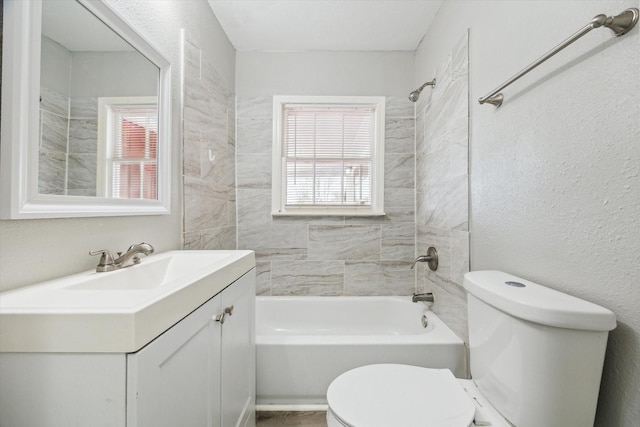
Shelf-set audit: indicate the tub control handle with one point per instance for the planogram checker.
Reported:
(220, 318)
(431, 258)
(228, 310)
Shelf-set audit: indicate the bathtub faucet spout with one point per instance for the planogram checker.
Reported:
(426, 297)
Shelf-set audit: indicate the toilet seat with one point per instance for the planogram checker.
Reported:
(399, 395)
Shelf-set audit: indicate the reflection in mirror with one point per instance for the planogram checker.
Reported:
(127, 147)
(98, 109)
(88, 133)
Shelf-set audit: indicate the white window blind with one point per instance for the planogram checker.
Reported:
(134, 157)
(329, 157)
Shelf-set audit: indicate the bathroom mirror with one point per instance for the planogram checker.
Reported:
(85, 114)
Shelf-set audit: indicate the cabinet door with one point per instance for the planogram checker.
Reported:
(175, 380)
(62, 389)
(238, 353)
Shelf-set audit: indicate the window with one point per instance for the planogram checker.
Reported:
(328, 155)
(128, 148)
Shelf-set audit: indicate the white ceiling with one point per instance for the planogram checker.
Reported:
(304, 25)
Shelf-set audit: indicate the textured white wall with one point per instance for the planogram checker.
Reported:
(324, 73)
(56, 60)
(555, 172)
(36, 250)
(112, 74)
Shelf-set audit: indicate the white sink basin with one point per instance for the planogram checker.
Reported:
(117, 311)
(151, 273)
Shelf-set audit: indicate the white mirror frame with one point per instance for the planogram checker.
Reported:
(19, 198)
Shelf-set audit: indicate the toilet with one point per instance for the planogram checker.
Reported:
(536, 359)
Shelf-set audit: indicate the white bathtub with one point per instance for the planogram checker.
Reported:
(303, 343)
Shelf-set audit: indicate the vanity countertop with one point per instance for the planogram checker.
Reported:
(118, 311)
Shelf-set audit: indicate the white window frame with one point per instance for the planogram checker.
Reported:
(106, 139)
(278, 203)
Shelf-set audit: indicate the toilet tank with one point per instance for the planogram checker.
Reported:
(536, 353)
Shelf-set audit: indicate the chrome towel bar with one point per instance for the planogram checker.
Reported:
(619, 24)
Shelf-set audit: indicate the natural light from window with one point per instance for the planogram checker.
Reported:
(327, 155)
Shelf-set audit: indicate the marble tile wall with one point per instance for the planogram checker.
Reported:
(442, 207)
(54, 128)
(208, 155)
(333, 255)
(83, 147)
(68, 144)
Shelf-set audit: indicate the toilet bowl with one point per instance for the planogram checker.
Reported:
(524, 341)
(391, 395)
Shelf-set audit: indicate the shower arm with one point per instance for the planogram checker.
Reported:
(619, 24)
(431, 83)
(413, 96)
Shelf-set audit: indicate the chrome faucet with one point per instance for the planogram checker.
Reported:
(127, 259)
(426, 297)
(132, 255)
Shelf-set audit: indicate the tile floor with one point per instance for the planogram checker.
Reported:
(291, 419)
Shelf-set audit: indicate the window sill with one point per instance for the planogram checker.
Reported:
(328, 212)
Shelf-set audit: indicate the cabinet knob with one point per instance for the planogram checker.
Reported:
(227, 310)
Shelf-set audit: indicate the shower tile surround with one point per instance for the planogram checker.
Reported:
(209, 208)
(83, 143)
(426, 195)
(68, 144)
(330, 255)
(54, 126)
(442, 207)
(68, 129)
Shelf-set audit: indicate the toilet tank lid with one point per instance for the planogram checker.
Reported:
(537, 303)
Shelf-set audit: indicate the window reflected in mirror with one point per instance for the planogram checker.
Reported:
(128, 147)
(84, 64)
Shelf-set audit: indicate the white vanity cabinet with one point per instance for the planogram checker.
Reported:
(201, 372)
(175, 380)
(239, 356)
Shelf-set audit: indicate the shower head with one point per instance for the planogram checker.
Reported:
(413, 96)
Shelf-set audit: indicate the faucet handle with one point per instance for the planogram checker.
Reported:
(431, 258)
(106, 258)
